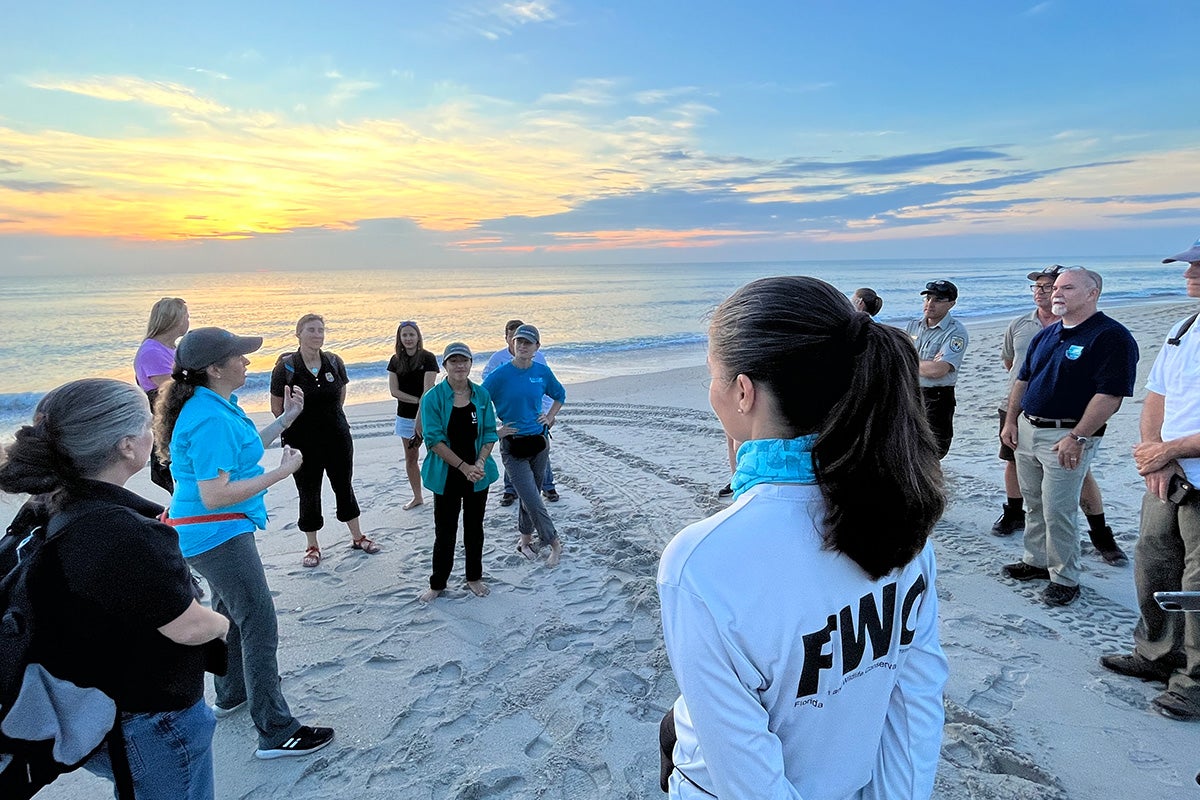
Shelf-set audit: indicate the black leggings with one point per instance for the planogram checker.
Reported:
(459, 494)
(332, 456)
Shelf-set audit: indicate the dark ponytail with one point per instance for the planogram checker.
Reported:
(833, 371)
(171, 396)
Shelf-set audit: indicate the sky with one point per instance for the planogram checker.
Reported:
(151, 137)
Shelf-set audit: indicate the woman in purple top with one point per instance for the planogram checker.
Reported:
(154, 362)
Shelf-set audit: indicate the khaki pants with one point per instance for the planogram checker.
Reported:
(1051, 494)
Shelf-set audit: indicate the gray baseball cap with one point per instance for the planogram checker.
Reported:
(529, 333)
(1189, 255)
(203, 347)
(456, 349)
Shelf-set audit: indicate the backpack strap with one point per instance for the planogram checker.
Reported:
(1187, 324)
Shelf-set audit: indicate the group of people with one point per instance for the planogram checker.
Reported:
(826, 678)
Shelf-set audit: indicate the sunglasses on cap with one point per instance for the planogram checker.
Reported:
(941, 287)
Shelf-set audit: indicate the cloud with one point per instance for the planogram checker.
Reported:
(496, 20)
(221, 76)
(124, 89)
(38, 187)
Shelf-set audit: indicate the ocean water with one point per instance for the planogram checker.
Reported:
(596, 321)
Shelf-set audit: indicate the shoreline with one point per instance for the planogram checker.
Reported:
(553, 685)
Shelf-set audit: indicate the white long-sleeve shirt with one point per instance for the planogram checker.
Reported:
(801, 677)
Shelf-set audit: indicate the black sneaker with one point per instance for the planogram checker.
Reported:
(725, 491)
(551, 495)
(508, 499)
(1058, 594)
(1021, 571)
(1136, 666)
(1176, 706)
(1009, 522)
(304, 741)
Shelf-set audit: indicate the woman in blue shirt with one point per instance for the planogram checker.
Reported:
(218, 504)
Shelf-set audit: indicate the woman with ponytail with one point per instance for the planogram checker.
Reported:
(124, 616)
(215, 451)
(801, 622)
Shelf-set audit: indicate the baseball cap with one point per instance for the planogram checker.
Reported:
(529, 333)
(456, 349)
(943, 290)
(203, 347)
(1046, 272)
(1191, 254)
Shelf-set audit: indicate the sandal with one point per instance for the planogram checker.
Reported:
(527, 550)
(312, 556)
(366, 545)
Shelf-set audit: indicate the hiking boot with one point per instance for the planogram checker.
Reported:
(1176, 706)
(1021, 571)
(304, 741)
(1010, 521)
(551, 495)
(508, 499)
(1106, 545)
(1058, 594)
(725, 491)
(1136, 666)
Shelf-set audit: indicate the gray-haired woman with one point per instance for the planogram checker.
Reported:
(126, 618)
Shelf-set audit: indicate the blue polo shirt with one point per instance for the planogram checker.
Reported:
(517, 394)
(1066, 367)
(213, 435)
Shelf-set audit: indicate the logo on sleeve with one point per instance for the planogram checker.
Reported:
(1074, 351)
(957, 343)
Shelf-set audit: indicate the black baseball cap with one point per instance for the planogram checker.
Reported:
(1046, 272)
(943, 290)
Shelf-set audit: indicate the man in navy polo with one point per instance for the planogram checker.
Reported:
(1075, 376)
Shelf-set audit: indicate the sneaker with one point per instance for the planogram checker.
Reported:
(220, 711)
(1175, 706)
(725, 491)
(304, 741)
(1136, 666)
(1058, 594)
(551, 495)
(1021, 571)
(1009, 522)
(508, 499)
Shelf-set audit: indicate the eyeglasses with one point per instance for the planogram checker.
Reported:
(1038, 288)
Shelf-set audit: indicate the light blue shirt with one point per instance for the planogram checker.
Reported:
(517, 394)
(214, 435)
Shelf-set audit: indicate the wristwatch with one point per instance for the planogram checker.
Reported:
(1082, 440)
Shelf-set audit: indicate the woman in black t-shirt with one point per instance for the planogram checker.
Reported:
(124, 617)
(411, 373)
(321, 434)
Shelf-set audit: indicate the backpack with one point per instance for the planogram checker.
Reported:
(48, 726)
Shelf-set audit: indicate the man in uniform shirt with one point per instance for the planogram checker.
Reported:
(1075, 376)
(941, 341)
(1016, 344)
(1167, 643)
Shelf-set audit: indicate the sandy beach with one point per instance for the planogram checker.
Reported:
(552, 686)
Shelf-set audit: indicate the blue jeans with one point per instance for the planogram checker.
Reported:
(234, 572)
(170, 754)
(547, 482)
(527, 475)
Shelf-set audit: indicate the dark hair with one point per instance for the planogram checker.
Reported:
(75, 432)
(169, 402)
(512, 325)
(871, 301)
(835, 372)
(404, 362)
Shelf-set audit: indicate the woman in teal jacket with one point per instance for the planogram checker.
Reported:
(460, 431)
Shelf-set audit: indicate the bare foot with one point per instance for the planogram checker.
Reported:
(429, 595)
(555, 553)
(416, 501)
(525, 547)
(479, 588)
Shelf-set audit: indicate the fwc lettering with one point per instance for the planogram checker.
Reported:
(874, 624)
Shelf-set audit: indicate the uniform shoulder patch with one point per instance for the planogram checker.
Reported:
(957, 343)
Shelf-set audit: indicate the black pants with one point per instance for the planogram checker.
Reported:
(939, 410)
(160, 471)
(459, 494)
(333, 456)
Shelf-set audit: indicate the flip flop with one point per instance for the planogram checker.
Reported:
(366, 545)
(527, 551)
(312, 556)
